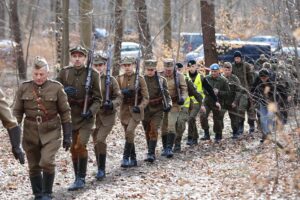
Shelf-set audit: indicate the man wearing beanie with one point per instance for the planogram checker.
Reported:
(244, 72)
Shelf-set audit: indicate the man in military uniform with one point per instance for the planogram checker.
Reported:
(243, 71)
(131, 114)
(233, 99)
(106, 116)
(159, 102)
(221, 89)
(46, 108)
(260, 61)
(178, 92)
(73, 78)
(10, 123)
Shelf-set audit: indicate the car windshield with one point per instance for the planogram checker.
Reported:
(130, 48)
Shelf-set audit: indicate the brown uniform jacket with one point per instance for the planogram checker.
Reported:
(173, 91)
(69, 76)
(126, 113)
(108, 117)
(8, 120)
(46, 104)
(155, 95)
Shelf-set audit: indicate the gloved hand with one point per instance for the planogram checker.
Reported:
(126, 92)
(15, 140)
(167, 108)
(87, 115)
(180, 101)
(108, 105)
(136, 109)
(70, 91)
(67, 132)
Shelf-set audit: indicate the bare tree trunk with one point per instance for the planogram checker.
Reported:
(16, 35)
(65, 34)
(208, 30)
(167, 22)
(85, 12)
(58, 32)
(143, 28)
(118, 37)
(2, 20)
(29, 13)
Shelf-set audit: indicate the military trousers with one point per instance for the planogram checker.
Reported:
(169, 122)
(234, 118)
(245, 106)
(218, 116)
(99, 137)
(192, 128)
(130, 130)
(151, 124)
(181, 123)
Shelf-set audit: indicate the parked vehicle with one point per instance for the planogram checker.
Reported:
(190, 41)
(225, 49)
(101, 33)
(272, 40)
(130, 49)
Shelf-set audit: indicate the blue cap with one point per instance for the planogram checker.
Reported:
(215, 66)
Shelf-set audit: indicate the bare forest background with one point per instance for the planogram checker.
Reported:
(50, 27)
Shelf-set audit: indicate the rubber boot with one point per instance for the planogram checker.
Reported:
(164, 144)
(132, 161)
(170, 143)
(151, 151)
(48, 180)
(218, 137)
(37, 185)
(101, 167)
(189, 141)
(235, 134)
(251, 126)
(126, 154)
(206, 135)
(241, 127)
(81, 173)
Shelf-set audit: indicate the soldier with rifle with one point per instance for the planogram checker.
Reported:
(135, 98)
(81, 83)
(159, 102)
(106, 116)
(44, 104)
(178, 92)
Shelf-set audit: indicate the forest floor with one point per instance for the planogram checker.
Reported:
(233, 169)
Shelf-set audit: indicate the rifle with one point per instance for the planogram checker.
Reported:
(136, 82)
(176, 79)
(88, 80)
(107, 79)
(165, 106)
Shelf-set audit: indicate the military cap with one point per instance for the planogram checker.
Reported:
(227, 65)
(151, 63)
(40, 62)
(79, 49)
(263, 72)
(99, 59)
(168, 62)
(127, 60)
(262, 56)
(191, 62)
(237, 54)
(215, 66)
(179, 65)
(267, 65)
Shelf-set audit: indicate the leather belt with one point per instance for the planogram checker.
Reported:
(41, 119)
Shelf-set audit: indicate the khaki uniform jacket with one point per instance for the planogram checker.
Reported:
(8, 120)
(49, 101)
(244, 72)
(108, 117)
(173, 90)
(70, 76)
(126, 113)
(155, 96)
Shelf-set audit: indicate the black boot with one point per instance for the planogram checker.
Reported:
(164, 144)
(170, 143)
(48, 180)
(151, 151)
(37, 185)
(251, 126)
(241, 127)
(189, 141)
(81, 173)
(235, 134)
(206, 135)
(177, 148)
(218, 137)
(101, 166)
(126, 154)
(132, 161)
